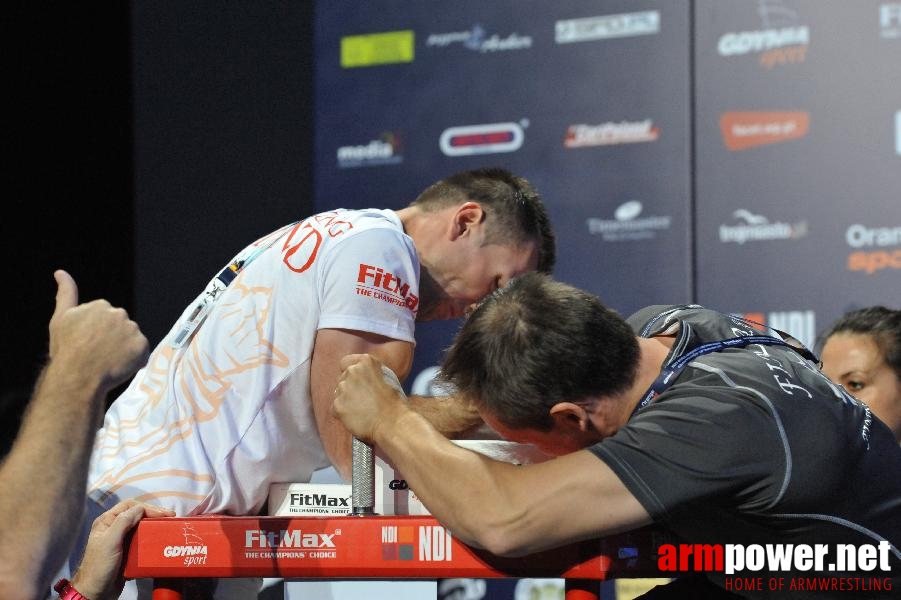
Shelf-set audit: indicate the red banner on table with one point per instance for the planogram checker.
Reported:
(390, 547)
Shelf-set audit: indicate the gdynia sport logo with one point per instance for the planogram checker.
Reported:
(812, 566)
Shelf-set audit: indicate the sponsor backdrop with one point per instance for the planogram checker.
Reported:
(798, 171)
(742, 154)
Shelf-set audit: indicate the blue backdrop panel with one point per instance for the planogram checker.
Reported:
(798, 173)
(591, 100)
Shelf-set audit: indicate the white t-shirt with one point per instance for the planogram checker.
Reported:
(210, 422)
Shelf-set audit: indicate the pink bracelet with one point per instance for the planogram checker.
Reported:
(66, 592)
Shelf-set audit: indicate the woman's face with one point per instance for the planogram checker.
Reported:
(854, 361)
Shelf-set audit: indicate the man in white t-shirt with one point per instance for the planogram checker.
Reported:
(238, 394)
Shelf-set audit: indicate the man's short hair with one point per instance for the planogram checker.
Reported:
(515, 211)
(537, 342)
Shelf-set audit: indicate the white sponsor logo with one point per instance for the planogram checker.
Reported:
(757, 228)
(170, 551)
(626, 225)
(800, 324)
(898, 132)
(624, 132)
(287, 538)
(890, 21)
(478, 40)
(383, 151)
(590, 29)
(745, 42)
(435, 544)
(861, 236)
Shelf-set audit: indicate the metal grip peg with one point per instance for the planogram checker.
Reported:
(362, 479)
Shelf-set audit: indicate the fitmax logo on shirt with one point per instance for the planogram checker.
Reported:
(376, 282)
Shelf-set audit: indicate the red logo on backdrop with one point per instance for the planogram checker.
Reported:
(743, 130)
(481, 139)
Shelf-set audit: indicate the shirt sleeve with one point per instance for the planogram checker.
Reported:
(696, 449)
(370, 282)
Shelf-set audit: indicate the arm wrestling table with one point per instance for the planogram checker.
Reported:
(175, 551)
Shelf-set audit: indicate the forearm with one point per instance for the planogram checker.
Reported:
(450, 415)
(449, 480)
(42, 481)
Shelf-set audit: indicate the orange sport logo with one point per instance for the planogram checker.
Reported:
(875, 248)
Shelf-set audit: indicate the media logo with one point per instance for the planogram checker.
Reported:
(890, 20)
(375, 49)
(492, 138)
(478, 39)
(875, 248)
(743, 130)
(756, 228)
(626, 226)
(780, 41)
(386, 150)
(610, 133)
(590, 29)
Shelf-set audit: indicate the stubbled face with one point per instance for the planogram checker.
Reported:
(854, 361)
(458, 277)
(555, 442)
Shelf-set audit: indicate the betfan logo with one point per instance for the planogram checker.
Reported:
(743, 130)
(610, 133)
(493, 138)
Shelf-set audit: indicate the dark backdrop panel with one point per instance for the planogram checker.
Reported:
(536, 72)
(223, 122)
(800, 219)
(66, 173)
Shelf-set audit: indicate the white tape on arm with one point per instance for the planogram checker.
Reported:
(392, 380)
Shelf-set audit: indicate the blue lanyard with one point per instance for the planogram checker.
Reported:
(669, 374)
